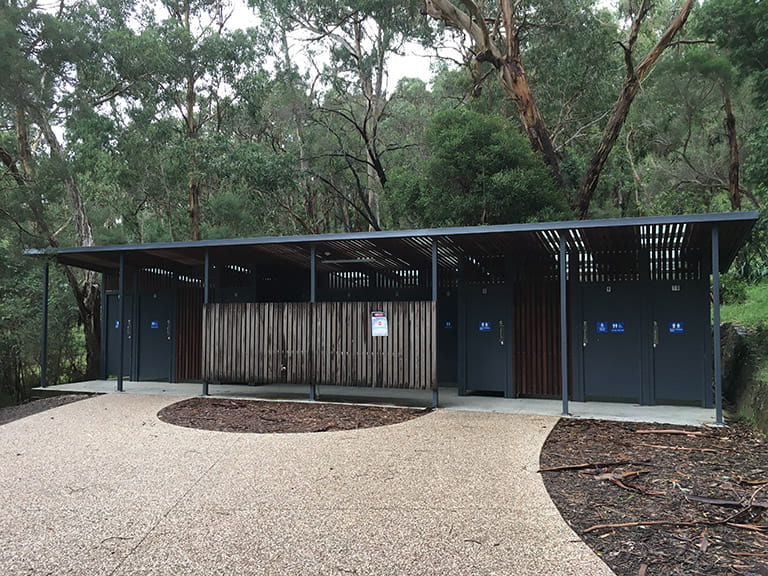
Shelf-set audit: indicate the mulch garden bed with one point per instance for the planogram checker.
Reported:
(281, 417)
(661, 500)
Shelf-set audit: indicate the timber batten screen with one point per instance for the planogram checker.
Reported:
(321, 343)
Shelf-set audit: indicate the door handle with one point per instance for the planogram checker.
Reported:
(655, 333)
(168, 329)
(501, 332)
(128, 329)
(585, 334)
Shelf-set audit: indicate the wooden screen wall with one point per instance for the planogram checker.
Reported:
(537, 338)
(189, 333)
(324, 343)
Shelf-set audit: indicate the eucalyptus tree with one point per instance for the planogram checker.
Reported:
(685, 137)
(350, 42)
(739, 28)
(41, 52)
(498, 34)
(199, 60)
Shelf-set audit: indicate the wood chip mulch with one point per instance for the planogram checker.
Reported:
(281, 417)
(661, 500)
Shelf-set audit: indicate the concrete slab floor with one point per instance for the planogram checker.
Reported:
(449, 400)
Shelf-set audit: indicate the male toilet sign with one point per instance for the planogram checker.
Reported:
(379, 326)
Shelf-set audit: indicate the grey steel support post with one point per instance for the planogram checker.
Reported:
(206, 299)
(435, 284)
(121, 315)
(312, 300)
(104, 330)
(313, 273)
(563, 325)
(44, 339)
(207, 278)
(716, 324)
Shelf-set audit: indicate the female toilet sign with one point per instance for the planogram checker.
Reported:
(379, 326)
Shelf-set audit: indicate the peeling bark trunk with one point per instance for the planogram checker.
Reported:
(515, 84)
(510, 70)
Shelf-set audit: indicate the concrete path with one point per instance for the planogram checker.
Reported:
(102, 487)
(449, 399)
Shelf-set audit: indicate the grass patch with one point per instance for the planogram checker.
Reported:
(751, 312)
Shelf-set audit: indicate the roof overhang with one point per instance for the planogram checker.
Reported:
(683, 234)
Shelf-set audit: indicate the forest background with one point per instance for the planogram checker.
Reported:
(140, 121)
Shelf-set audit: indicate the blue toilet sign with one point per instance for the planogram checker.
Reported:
(617, 327)
(154, 324)
(484, 326)
(602, 327)
(676, 328)
(448, 325)
(117, 324)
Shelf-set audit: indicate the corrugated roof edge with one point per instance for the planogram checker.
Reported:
(713, 218)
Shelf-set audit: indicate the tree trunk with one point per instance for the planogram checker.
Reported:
(734, 192)
(373, 187)
(515, 84)
(86, 291)
(600, 156)
(194, 210)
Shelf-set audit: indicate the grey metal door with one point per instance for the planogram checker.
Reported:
(611, 341)
(488, 339)
(113, 335)
(680, 341)
(155, 335)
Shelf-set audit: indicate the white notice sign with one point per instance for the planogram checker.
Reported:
(379, 325)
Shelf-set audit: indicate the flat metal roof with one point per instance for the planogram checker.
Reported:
(680, 235)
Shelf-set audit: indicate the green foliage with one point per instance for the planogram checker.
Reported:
(756, 163)
(145, 102)
(733, 289)
(751, 263)
(741, 28)
(480, 171)
(752, 311)
(21, 321)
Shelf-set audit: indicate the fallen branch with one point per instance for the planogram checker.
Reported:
(646, 523)
(620, 475)
(727, 521)
(634, 488)
(753, 527)
(684, 432)
(720, 502)
(754, 482)
(582, 466)
(668, 447)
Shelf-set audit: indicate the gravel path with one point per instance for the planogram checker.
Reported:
(102, 487)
